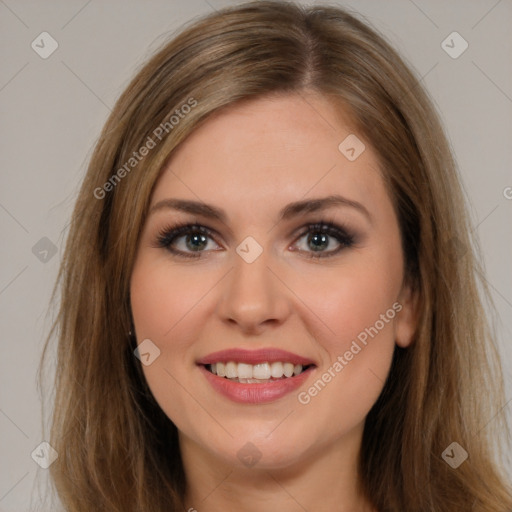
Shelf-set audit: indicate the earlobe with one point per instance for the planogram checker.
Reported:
(406, 320)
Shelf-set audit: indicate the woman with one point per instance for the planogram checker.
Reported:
(268, 294)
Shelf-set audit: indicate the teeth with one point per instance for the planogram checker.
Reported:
(276, 370)
(288, 369)
(221, 369)
(231, 370)
(248, 373)
(244, 371)
(261, 371)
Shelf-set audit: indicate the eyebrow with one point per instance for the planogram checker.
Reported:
(289, 211)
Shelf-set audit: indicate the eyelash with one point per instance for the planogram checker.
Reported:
(170, 233)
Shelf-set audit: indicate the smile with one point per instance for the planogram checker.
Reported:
(255, 376)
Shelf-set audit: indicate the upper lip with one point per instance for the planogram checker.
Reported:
(263, 355)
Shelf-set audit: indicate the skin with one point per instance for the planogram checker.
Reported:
(251, 160)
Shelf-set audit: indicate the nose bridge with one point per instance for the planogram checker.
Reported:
(253, 295)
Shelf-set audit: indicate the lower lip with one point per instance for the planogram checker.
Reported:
(255, 393)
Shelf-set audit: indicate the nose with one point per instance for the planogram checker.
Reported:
(254, 297)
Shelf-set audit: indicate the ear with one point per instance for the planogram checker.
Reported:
(406, 320)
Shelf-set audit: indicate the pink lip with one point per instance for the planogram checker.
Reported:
(264, 355)
(255, 393)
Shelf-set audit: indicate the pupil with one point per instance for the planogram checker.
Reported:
(319, 237)
(197, 237)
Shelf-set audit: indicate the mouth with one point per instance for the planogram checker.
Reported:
(255, 376)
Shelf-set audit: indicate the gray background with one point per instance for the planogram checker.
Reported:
(52, 111)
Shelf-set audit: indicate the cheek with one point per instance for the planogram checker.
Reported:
(162, 297)
(162, 302)
(358, 312)
(351, 299)
(359, 302)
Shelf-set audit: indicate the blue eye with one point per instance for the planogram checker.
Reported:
(319, 236)
(196, 238)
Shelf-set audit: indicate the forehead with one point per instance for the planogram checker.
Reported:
(270, 151)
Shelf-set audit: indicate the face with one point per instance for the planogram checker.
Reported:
(321, 282)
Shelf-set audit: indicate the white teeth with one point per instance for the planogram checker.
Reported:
(276, 370)
(248, 373)
(261, 371)
(244, 371)
(231, 370)
(288, 369)
(221, 369)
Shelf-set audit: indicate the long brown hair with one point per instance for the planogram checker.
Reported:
(117, 449)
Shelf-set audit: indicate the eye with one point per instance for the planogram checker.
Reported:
(195, 239)
(320, 235)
